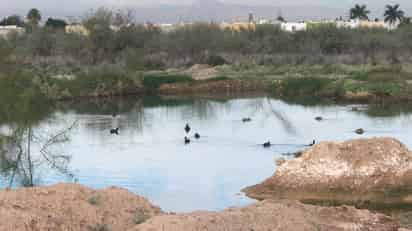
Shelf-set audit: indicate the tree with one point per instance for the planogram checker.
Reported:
(12, 20)
(406, 21)
(280, 18)
(56, 24)
(359, 12)
(393, 14)
(34, 17)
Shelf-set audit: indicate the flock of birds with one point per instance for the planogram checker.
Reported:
(187, 130)
(268, 144)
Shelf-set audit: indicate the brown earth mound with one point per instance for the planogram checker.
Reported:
(373, 170)
(273, 215)
(72, 207)
(77, 208)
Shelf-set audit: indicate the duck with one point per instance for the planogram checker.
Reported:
(114, 131)
(114, 115)
(318, 118)
(197, 136)
(267, 144)
(245, 120)
(187, 128)
(187, 140)
(359, 131)
(311, 144)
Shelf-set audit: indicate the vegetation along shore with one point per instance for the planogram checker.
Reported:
(112, 55)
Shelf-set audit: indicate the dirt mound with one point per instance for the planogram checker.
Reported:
(72, 207)
(363, 169)
(273, 215)
(202, 72)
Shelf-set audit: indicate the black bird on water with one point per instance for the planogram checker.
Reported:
(359, 131)
(197, 136)
(245, 120)
(313, 143)
(267, 144)
(114, 131)
(187, 140)
(187, 128)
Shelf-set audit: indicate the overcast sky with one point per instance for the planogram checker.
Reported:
(79, 7)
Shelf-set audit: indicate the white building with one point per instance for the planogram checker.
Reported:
(293, 26)
(349, 24)
(6, 30)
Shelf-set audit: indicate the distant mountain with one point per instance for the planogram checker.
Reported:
(207, 10)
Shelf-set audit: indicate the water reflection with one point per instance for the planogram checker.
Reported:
(149, 157)
(25, 152)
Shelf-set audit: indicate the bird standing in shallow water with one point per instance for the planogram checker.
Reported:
(187, 128)
(187, 140)
(114, 131)
(197, 136)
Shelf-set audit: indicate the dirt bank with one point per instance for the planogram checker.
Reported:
(377, 170)
(273, 215)
(75, 207)
(222, 86)
(72, 207)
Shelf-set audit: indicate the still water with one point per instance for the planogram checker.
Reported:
(149, 156)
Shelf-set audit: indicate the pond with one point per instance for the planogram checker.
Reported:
(149, 156)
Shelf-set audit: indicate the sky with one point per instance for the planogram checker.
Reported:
(63, 8)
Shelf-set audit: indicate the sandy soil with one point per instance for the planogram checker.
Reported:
(273, 215)
(72, 207)
(377, 169)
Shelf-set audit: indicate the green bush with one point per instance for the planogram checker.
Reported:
(215, 60)
(302, 86)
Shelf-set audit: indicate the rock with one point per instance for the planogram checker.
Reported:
(72, 207)
(377, 170)
(274, 216)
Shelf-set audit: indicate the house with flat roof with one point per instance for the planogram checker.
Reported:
(6, 30)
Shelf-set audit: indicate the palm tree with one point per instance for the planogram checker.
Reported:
(393, 14)
(359, 12)
(34, 16)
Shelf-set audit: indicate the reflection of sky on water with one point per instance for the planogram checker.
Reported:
(149, 158)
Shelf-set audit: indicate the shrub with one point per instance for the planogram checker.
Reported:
(215, 60)
(94, 200)
(101, 227)
(301, 86)
(141, 215)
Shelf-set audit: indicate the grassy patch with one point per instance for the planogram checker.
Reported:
(153, 81)
(101, 227)
(94, 200)
(302, 86)
(388, 88)
(141, 215)
(215, 79)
